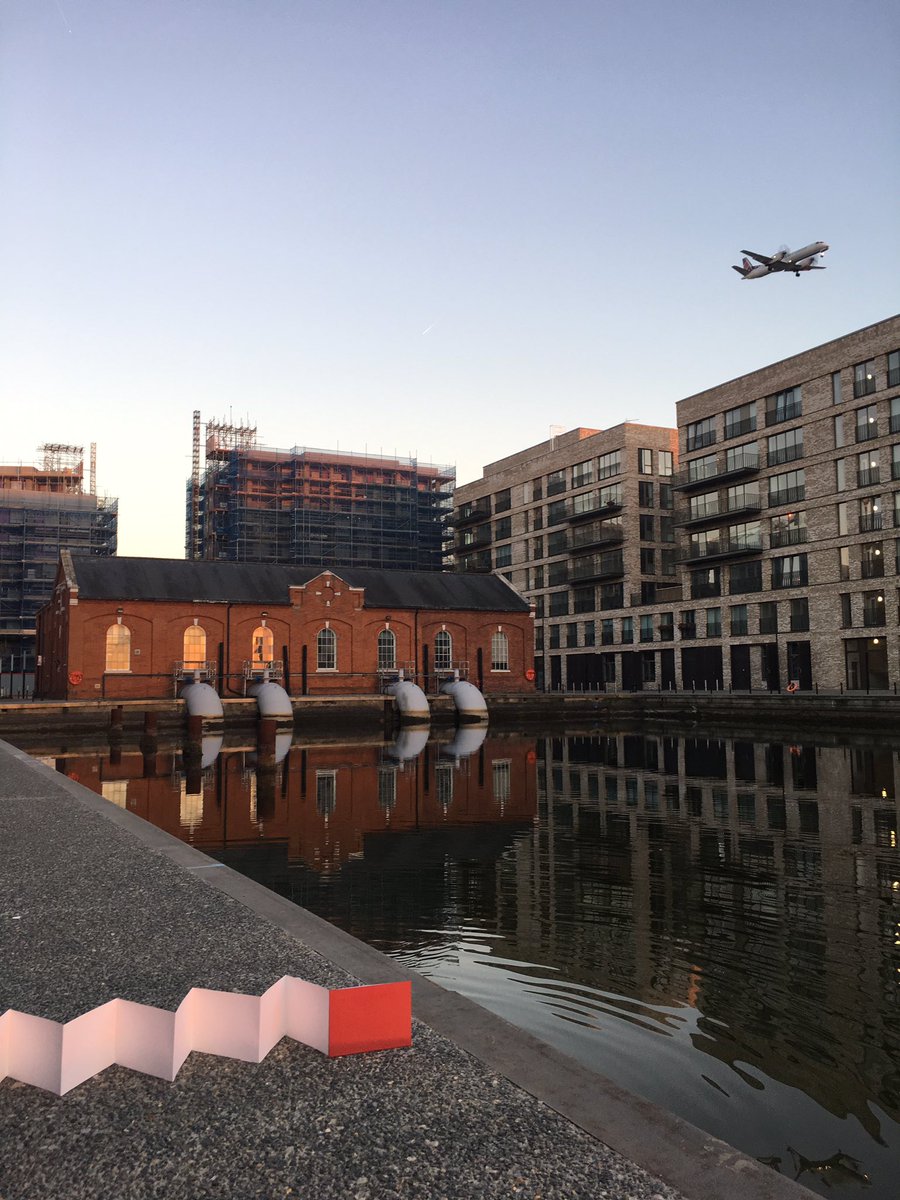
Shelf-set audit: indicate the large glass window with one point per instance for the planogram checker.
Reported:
(784, 406)
(194, 648)
(789, 571)
(745, 577)
(869, 468)
(611, 495)
(864, 379)
(503, 501)
(742, 458)
(609, 464)
(871, 560)
(118, 648)
(704, 505)
(787, 488)
(870, 514)
(499, 651)
(556, 482)
(263, 643)
(582, 474)
(739, 421)
(701, 468)
(443, 651)
(867, 423)
(387, 650)
(873, 608)
(788, 529)
(738, 620)
(645, 462)
(785, 447)
(701, 433)
(326, 650)
(893, 363)
(665, 462)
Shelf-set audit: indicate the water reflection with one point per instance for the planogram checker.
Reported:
(713, 923)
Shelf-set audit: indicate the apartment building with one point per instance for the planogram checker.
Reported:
(769, 560)
(582, 525)
(788, 525)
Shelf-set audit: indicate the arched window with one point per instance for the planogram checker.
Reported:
(263, 645)
(118, 648)
(499, 652)
(387, 650)
(326, 650)
(443, 651)
(194, 647)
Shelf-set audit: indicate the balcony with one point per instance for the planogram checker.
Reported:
(791, 495)
(895, 470)
(594, 508)
(739, 428)
(597, 566)
(784, 412)
(867, 431)
(893, 378)
(728, 466)
(869, 476)
(709, 512)
(462, 545)
(598, 533)
(863, 387)
(480, 562)
(787, 537)
(724, 547)
(785, 455)
(467, 514)
(699, 441)
(870, 522)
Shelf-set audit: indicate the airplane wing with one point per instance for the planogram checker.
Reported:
(761, 258)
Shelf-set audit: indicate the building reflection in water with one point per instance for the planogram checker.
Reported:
(714, 923)
(320, 802)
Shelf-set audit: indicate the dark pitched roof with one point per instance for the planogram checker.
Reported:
(260, 583)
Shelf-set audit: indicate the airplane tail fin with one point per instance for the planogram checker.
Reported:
(748, 265)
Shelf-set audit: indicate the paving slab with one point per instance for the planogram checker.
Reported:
(96, 904)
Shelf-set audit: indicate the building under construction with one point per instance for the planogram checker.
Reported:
(43, 509)
(251, 503)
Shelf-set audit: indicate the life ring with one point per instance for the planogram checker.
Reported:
(76, 677)
(792, 686)
(530, 674)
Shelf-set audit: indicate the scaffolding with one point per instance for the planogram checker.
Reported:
(314, 507)
(43, 509)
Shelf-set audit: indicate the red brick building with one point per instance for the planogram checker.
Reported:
(133, 628)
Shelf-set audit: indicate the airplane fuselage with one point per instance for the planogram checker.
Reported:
(784, 260)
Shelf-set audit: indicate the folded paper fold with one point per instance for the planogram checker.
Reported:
(58, 1056)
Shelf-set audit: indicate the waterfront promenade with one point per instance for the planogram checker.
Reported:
(96, 904)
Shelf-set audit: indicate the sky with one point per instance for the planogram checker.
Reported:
(435, 228)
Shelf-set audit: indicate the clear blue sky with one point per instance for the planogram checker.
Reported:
(259, 207)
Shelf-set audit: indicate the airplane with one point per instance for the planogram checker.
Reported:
(785, 260)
